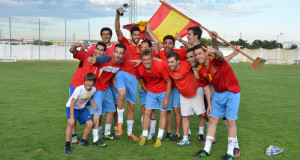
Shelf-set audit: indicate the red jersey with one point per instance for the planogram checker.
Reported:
(155, 80)
(163, 55)
(109, 49)
(83, 68)
(104, 73)
(132, 53)
(219, 74)
(184, 79)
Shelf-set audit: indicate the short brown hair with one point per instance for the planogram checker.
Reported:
(90, 76)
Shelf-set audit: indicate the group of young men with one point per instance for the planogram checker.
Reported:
(191, 80)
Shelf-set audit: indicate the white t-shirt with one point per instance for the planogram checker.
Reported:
(82, 96)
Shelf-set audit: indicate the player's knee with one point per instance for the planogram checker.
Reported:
(122, 93)
(89, 124)
(230, 122)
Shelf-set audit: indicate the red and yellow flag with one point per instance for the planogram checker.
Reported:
(166, 21)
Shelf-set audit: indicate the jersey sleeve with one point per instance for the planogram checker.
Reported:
(181, 52)
(164, 73)
(76, 93)
(103, 59)
(139, 72)
(81, 55)
(217, 63)
(92, 48)
(124, 41)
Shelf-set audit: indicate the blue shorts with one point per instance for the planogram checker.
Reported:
(114, 92)
(225, 104)
(130, 83)
(155, 100)
(105, 102)
(142, 97)
(82, 115)
(175, 97)
(71, 91)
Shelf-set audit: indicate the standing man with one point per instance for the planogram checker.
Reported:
(224, 102)
(156, 80)
(126, 80)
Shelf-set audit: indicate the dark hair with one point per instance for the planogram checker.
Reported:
(146, 52)
(102, 44)
(196, 31)
(147, 41)
(90, 76)
(120, 45)
(198, 46)
(106, 29)
(173, 54)
(134, 29)
(170, 37)
(189, 50)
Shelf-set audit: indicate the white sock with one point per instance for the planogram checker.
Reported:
(160, 133)
(152, 126)
(201, 130)
(230, 145)
(208, 143)
(142, 118)
(129, 126)
(236, 143)
(100, 128)
(185, 138)
(95, 135)
(107, 129)
(120, 115)
(190, 132)
(145, 133)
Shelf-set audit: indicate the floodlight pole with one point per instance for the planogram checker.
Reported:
(65, 40)
(89, 34)
(277, 38)
(10, 36)
(39, 40)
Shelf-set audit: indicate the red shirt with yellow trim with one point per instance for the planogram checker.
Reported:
(104, 73)
(219, 74)
(184, 78)
(84, 68)
(133, 52)
(155, 80)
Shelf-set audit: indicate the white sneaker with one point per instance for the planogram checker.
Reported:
(150, 136)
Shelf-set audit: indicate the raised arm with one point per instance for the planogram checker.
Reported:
(186, 44)
(74, 47)
(117, 24)
(157, 44)
(233, 54)
(214, 36)
(213, 52)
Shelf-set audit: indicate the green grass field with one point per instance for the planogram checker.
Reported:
(33, 119)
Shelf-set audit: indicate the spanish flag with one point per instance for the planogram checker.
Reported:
(166, 21)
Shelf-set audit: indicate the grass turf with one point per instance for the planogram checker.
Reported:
(33, 120)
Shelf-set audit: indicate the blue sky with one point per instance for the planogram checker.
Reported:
(255, 19)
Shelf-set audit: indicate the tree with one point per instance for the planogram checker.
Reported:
(46, 43)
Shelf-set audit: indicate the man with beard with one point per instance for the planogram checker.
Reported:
(126, 80)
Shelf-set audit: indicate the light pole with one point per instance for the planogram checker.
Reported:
(277, 38)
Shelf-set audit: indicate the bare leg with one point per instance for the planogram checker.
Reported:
(87, 130)
(177, 119)
(169, 121)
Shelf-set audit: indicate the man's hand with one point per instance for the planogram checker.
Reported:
(210, 51)
(137, 61)
(213, 34)
(83, 47)
(236, 49)
(208, 111)
(71, 122)
(95, 107)
(120, 11)
(76, 44)
(91, 60)
(148, 28)
(177, 36)
(165, 103)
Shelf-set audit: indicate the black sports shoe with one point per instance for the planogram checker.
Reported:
(176, 138)
(169, 136)
(99, 143)
(189, 136)
(228, 157)
(108, 137)
(201, 139)
(201, 153)
(68, 149)
(85, 143)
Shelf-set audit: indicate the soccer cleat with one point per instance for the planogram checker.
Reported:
(236, 152)
(68, 149)
(119, 130)
(143, 141)
(108, 137)
(273, 150)
(176, 138)
(99, 143)
(150, 136)
(201, 153)
(228, 157)
(157, 143)
(84, 143)
(189, 136)
(74, 140)
(169, 136)
(183, 143)
(133, 137)
(100, 134)
(214, 141)
(201, 139)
